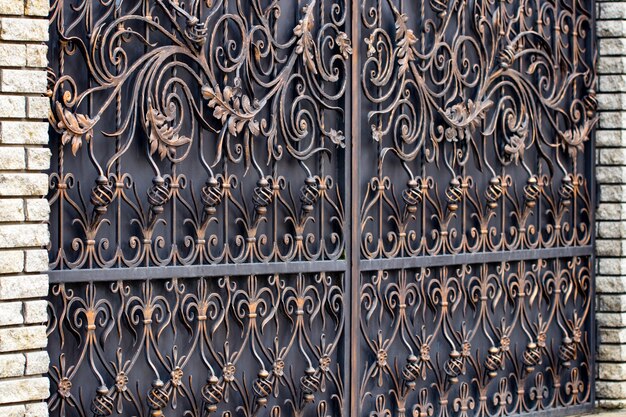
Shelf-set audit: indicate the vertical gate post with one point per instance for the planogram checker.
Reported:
(24, 156)
(611, 212)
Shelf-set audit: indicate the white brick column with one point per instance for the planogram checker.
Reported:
(24, 156)
(611, 213)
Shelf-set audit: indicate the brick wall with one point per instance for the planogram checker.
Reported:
(611, 213)
(23, 211)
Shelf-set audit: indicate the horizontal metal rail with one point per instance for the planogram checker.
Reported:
(167, 272)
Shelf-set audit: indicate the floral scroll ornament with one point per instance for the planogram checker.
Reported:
(164, 138)
(74, 126)
(233, 108)
(306, 45)
(405, 39)
(574, 139)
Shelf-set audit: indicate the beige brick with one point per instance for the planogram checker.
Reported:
(11, 261)
(610, 29)
(39, 409)
(11, 210)
(37, 8)
(35, 312)
(612, 193)
(24, 81)
(29, 133)
(11, 313)
(12, 55)
(38, 159)
(611, 389)
(37, 362)
(612, 303)
(612, 156)
(38, 107)
(22, 338)
(611, 138)
(611, 319)
(23, 286)
(36, 55)
(611, 285)
(11, 7)
(612, 353)
(613, 120)
(611, 11)
(13, 410)
(12, 158)
(37, 209)
(613, 101)
(20, 29)
(609, 247)
(611, 266)
(22, 390)
(612, 83)
(18, 184)
(612, 371)
(12, 106)
(24, 235)
(609, 405)
(615, 46)
(611, 65)
(12, 364)
(610, 175)
(611, 211)
(606, 335)
(36, 260)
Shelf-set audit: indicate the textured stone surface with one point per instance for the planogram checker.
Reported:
(611, 212)
(12, 364)
(11, 261)
(21, 390)
(37, 363)
(11, 313)
(23, 286)
(29, 133)
(24, 156)
(17, 339)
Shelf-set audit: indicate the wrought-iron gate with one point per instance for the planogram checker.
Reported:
(321, 208)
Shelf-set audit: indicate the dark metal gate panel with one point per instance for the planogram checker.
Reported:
(198, 208)
(475, 165)
(249, 217)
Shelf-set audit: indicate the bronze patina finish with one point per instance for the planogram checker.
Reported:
(322, 208)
